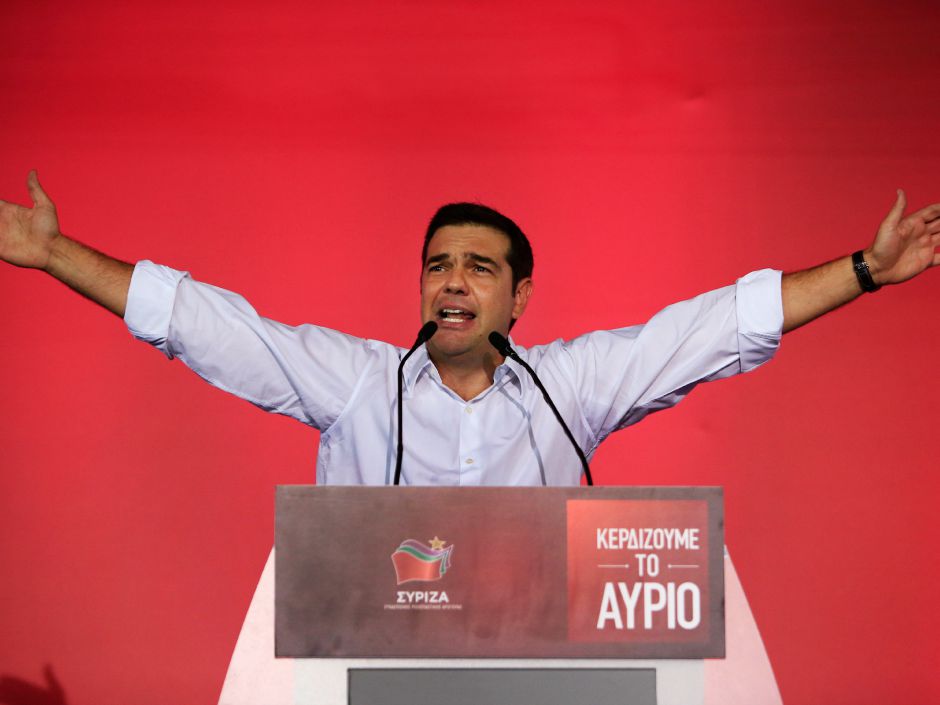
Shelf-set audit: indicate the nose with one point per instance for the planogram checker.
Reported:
(456, 281)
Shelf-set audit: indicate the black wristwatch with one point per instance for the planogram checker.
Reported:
(863, 273)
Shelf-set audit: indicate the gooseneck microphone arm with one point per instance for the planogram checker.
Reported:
(424, 335)
(500, 342)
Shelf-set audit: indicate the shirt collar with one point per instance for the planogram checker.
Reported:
(415, 366)
(420, 363)
(515, 373)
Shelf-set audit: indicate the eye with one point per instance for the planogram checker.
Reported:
(480, 268)
(436, 268)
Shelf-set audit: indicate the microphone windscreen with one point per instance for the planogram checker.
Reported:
(427, 330)
(499, 341)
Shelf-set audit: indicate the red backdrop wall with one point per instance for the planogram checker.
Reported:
(293, 152)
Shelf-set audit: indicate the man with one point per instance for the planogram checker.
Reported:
(474, 417)
(476, 278)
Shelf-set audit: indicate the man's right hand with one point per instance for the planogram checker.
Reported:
(28, 234)
(30, 237)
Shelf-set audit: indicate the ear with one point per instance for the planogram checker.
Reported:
(523, 292)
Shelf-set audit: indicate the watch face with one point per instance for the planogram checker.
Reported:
(862, 272)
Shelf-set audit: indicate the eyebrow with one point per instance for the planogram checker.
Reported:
(482, 260)
(472, 256)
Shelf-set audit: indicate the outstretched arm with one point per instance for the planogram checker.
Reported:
(903, 248)
(30, 237)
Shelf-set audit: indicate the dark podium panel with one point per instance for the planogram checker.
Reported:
(499, 572)
(502, 686)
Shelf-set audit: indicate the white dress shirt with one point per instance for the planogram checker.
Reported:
(346, 387)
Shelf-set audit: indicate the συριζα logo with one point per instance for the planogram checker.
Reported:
(418, 561)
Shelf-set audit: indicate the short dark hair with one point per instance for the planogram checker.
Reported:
(519, 256)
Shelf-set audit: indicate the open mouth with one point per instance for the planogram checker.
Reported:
(455, 315)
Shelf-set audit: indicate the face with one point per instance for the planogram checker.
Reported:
(466, 288)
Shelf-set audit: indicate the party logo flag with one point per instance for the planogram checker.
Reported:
(414, 560)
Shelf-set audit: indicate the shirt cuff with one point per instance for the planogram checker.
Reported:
(150, 303)
(759, 308)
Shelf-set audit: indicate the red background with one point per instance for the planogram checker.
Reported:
(294, 152)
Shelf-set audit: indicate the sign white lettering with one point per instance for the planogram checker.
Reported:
(417, 597)
(644, 539)
(679, 605)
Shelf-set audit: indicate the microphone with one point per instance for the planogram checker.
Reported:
(502, 345)
(424, 335)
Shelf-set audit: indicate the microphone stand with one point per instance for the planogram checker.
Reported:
(424, 335)
(499, 342)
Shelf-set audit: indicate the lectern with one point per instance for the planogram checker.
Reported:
(499, 595)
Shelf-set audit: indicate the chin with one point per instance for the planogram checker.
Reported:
(449, 347)
(452, 350)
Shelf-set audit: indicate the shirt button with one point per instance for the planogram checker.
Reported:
(468, 409)
(469, 461)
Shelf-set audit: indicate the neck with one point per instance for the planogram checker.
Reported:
(465, 376)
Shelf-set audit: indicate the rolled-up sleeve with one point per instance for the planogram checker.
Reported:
(759, 307)
(150, 303)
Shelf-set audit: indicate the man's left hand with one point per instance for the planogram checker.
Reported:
(905, 245)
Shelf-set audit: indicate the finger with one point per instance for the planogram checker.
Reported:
(936, 259)
(897, 210)
(40, 199)
(929, 213)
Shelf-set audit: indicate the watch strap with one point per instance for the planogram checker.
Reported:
(863, 273)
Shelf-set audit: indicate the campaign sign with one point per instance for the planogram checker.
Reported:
(502, 572)
(638, 571)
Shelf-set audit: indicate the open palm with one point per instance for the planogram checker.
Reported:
(905, 246)
(27, 234)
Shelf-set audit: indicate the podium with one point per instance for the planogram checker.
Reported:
(426, 595)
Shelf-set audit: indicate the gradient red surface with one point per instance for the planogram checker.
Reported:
(590, 563)
(294, 152)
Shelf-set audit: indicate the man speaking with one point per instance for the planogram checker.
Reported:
(476, 278)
